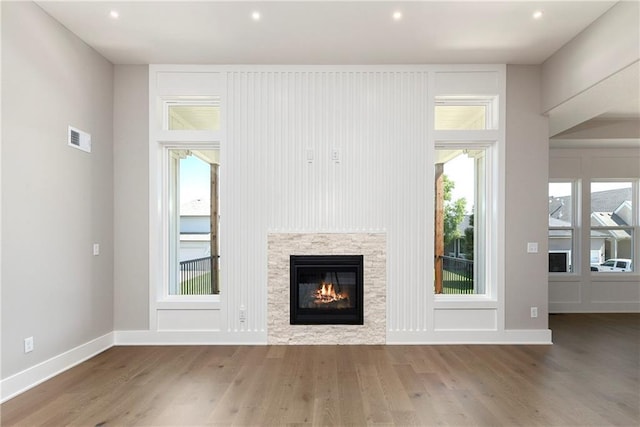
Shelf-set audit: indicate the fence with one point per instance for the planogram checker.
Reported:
(199, 276)
(457, 276)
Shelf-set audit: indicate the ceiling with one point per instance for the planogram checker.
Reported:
(326, 32)
(348, 32)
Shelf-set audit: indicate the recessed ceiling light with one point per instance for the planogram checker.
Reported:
(255, 16)
(538, 14)
(114, 14)
(397, 16)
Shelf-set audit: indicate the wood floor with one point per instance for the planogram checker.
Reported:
(590, 376)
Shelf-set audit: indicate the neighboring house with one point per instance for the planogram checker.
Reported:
(195, 228)
(611, 208)
(456, 248)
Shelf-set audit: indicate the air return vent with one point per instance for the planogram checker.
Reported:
(79, 139)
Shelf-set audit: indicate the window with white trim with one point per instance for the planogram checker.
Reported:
(614, 225)
(191, 211)
(203, 115)
(562, 226)
(461, 219)
(466, 168)
(465, 113)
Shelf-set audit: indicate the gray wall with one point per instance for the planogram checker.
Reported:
(56, 200)
(608, 45)
(131, 197)
(526, 200)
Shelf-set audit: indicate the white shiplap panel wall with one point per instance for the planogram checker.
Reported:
(377, 120)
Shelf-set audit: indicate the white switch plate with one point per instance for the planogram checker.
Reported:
(28, 345)
(534, 312)
(335, 155)
(532, 247)
(96, 249)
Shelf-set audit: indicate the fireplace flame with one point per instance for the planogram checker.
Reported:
(326, 294)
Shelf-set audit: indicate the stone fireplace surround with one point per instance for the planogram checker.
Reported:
(280, 246)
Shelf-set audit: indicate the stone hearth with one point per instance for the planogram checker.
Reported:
(371, 245)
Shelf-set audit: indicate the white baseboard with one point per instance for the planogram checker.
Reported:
(459, 337)
(190, 338)
(31, 377)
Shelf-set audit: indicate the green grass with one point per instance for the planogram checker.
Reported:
(199, 285)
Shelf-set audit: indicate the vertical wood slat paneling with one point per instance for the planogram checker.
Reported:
(377, 120)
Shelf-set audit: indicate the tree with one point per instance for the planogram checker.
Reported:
(453, 212)
(467, 243)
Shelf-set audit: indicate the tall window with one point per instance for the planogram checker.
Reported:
(465, 171)
(460, 224)
(614, 221)
(562, 227)
(192, 203)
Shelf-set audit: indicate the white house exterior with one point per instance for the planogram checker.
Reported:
(195, 227)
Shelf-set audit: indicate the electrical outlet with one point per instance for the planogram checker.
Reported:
(243, 315)
(28, 345)
(532, 247)
(534, 312)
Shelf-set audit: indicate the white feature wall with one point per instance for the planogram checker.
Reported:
(283, 128)
(329, 149)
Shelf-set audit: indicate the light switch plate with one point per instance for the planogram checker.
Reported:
(532, 247)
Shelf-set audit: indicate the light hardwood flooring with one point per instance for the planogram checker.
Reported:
(590, 376)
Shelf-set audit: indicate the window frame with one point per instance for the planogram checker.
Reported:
(188, 101)
(161, 140)
(576, 216)
(489, 102)
(634, 227)
(492, 140)
(168, 243)
(489, 242)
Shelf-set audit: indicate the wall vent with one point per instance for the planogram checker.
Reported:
(79, 139)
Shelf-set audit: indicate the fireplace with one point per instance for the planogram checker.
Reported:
(326, 289)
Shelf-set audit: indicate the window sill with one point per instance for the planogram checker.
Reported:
(190, 303)
(464, 301)
(565, 277)
(615, 277)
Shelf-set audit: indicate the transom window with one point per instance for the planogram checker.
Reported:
(192, 115)
(455, 113)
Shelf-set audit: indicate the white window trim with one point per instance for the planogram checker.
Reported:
(161, 140)
(491, 223)
(489, 102)
(187, 101)
(493, 138)
(576, 221)
(634, 227)
(162, 290)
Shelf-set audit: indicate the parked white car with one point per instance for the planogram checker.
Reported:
(614, 264)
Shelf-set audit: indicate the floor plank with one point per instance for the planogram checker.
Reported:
(590, 376)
